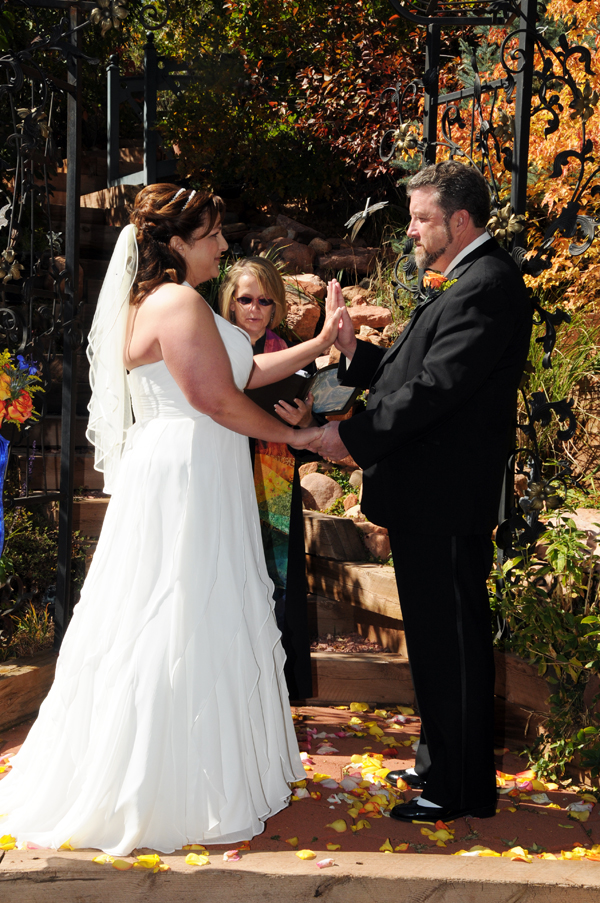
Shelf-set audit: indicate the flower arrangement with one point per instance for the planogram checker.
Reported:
(19, 380)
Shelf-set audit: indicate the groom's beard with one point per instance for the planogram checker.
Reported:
(426, 258)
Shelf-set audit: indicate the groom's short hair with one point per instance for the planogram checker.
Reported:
(457, 187)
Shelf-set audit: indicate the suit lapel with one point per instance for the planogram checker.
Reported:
(455, 273)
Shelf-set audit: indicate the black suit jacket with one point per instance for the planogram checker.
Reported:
(435, 436)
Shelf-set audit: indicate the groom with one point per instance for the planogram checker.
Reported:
(433, 443)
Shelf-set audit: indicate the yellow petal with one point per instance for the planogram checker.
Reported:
(338, 825)
(196, 859)
(440, 843)
(149, 861)
(103, 859)
(363, 823)
(401, 848)
(317, 778)
(405, 710)
(381, 712)
(293, 841)
(547, 856)
(386, 847)
(66, 845)
(193, 846)
(517, 853)
(580, 816)
(538, 785)
(122, 865)
(359, 707)
(299, 783)
(353, 812)
(306, 854)
(8, 842)
(332, 847)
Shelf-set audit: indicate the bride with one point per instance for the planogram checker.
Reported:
(168, 721)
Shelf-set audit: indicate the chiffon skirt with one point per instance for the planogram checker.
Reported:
(168, 722)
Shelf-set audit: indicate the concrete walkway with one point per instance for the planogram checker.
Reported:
(419, 870)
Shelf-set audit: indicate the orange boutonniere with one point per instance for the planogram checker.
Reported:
(434, 284)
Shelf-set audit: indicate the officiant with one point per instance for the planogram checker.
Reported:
(253, 297)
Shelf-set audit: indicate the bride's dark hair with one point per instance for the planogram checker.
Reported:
(161, 212)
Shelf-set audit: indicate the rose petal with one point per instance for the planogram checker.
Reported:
(325, 863)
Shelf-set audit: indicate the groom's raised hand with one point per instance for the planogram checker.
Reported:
(346, 340)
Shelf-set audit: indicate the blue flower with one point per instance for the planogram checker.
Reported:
(27, 365)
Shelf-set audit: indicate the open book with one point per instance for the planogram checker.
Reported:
(330, 396)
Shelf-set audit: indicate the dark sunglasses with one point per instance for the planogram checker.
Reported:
(246, 299)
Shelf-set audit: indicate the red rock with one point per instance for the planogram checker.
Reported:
(320, 246)
(309, 467)
(302, 314)
(368, 527)
(298, 258)
(273, 232)
(320, 490)
(308, 282)
(377, 544)
(252, 244)
(357, 295)
(350, 501)
(300, 229)
(362, 260)
(370, 315)
(521, 482)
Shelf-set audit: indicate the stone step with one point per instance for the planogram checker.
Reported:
(273, 877)
(363, 677)
(88, 516)
(332, 537)
(24, 684)
(368, 586)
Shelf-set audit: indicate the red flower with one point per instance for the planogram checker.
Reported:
(19, 410)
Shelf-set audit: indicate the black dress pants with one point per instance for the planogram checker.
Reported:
(446, 613)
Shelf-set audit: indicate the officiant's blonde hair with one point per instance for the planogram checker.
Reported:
(269, 279)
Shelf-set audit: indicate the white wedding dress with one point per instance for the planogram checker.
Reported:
(168, 722)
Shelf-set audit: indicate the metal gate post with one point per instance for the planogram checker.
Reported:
(150, 99)
(524, 82)
(113, 89)
(71, 294)
(431, 85)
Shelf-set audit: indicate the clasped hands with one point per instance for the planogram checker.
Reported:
(339, 331)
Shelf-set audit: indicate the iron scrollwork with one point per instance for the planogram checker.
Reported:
(477, 123)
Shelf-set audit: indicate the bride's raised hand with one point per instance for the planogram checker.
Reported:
(345, 340)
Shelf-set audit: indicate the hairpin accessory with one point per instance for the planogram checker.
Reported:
(188, 200)
(181, 191)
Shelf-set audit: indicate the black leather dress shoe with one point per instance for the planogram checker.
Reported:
(414, 811)
(413, 780)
